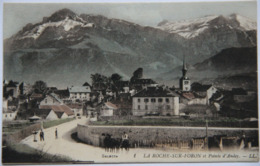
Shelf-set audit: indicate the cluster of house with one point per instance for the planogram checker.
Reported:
(137, 97)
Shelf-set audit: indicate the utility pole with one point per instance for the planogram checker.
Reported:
(207, 137)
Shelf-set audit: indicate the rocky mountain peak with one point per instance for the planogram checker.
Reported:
(244, 22)
(194, 27)
(163, 22)
(61, 15)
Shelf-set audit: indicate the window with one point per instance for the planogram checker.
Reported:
(6, 116)
(167, 100)
(139, 107)
(168, 107)
(146, 100)
(139, 100)
(45, 101)
(186, 82)
(153, 100)
(160, 100)
(10, 115)
(146, 107)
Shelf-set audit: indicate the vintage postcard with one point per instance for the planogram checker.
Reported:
(157, 82)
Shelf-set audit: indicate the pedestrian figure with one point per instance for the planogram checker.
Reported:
(34, 136)
(56, 133)
(41, 136)
(125, 141)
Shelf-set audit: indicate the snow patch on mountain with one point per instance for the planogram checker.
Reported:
(188, 28)
(193, 28)
(67, 24)
(246, 23)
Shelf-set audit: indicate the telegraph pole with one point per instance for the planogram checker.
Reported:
(207, 137)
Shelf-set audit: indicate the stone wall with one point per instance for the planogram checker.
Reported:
(93, 134)
(16, 137)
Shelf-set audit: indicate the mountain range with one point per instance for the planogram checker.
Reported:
(66, 48)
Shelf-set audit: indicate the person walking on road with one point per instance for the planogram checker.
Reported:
(41, 136)
(56, 133)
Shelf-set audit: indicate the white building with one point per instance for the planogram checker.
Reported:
(155, 101)
(59, 108)
(51, 99)
(80, 93)
(108, 109)
(9, 115)
(204, 91)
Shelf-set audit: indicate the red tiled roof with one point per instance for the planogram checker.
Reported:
(58, 108)
(76, 106)
(188, 95)
(111, 105)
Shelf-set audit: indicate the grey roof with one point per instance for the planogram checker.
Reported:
(155, 92)
(86, 84)
(197, 87)
(56, 97)
(80, 89)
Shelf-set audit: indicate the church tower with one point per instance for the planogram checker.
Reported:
(184, 81)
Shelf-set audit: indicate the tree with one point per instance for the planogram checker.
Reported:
(97, 78)
(40, 87)
(115, 77)
(115, 82)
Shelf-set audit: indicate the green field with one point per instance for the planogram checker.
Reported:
(52, 123)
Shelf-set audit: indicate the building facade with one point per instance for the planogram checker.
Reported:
(51, 99)
(155, 101)
(108, 109)
(80, 93)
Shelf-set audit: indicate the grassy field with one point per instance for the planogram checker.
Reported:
(52, 123)
(178, 122)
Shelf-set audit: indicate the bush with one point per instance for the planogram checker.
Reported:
(21, 153)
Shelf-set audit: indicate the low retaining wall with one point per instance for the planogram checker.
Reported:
(16, 137)
(93, 134)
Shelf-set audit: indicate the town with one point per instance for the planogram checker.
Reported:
(140, 101)
(111, 97)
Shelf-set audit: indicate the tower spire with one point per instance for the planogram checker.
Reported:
(184, 81)
(184, 63)
(184, 68)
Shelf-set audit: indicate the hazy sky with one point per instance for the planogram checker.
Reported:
(17, 16)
